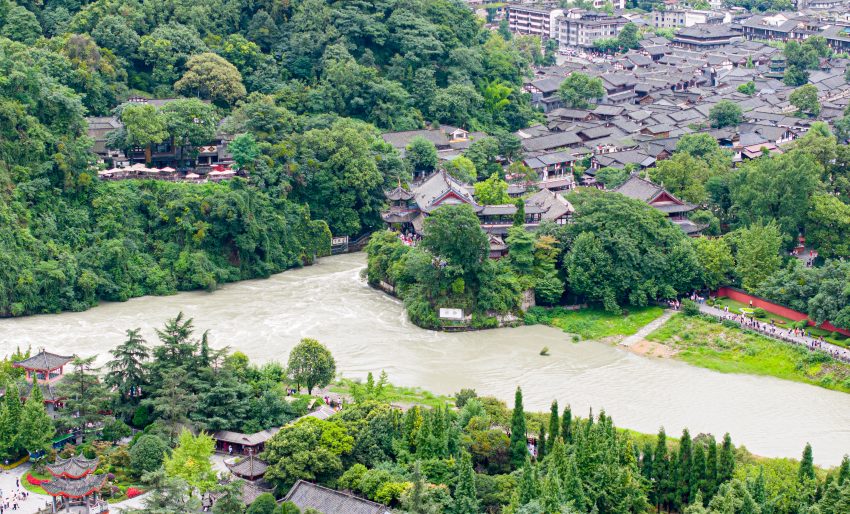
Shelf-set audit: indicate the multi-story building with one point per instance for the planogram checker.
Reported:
(535, 21)
(779, 27)
(579, 28)
(675, 18)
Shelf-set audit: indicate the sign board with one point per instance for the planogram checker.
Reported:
(341, 240)
(453, 314)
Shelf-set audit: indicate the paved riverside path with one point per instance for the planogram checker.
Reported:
(647, 329)
(779, 333)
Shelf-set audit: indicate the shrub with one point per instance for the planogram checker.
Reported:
(132, 492)
(690, 308)
(463, 396)
(147, 454)
(545, 351)
(759, 313)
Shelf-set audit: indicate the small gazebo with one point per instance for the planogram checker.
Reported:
(45, 366)
(75, 483)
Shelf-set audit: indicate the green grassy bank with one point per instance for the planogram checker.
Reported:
(708, 344)
(594, 323)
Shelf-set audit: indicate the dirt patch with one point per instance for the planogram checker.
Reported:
(652, 349)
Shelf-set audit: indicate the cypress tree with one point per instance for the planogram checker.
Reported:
(646, 461)
(566, 425)
(844, 470)
(518, 448)
(697, 480)
(759, 489)
(552, 491)
(843, 504)
(831, 497)
(541, 443)
(683, 487)
(553, 423)
(573, 486)
(711, 469)
(726, 464)
(466, 496)
(527, 490)
(660, 470)
(10, 420)
(807, 466)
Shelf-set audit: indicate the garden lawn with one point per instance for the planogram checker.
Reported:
(37, 489)
(594, 323)
(709, 344)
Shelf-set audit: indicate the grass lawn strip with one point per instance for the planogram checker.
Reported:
(595, 323)
(708, 344)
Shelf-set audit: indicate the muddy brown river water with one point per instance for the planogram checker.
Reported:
(368, 331)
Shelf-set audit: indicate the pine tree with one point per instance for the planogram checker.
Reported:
(831, 497)
(35, 432)
(683, 487)
(843, 504)
(711, 469)
(518, 448)
(466, 496)
(726, 464)
(541, 443)
(566, 425)
(554, 428)
(807, 467)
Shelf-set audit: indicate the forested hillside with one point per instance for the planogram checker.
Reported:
(306, 85)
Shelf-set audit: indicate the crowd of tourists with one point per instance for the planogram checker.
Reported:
(13, 500)
(791, 334)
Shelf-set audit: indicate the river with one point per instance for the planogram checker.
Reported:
(368, 331)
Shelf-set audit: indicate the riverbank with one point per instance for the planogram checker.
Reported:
(369, 331)
(593, 323)
(715, 346)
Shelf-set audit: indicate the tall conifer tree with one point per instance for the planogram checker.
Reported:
(518, 448)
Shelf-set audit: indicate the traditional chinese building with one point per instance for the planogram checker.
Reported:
(409, 207)
(75, 483)
(656, 196)
(46, 369)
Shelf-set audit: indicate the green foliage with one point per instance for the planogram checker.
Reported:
(190, 461)
(147, 454)
(493, 191)
(421, 155)
(611, 178)
(805, 99)
(747, 88)
(578, 89)
(310, 449)
(310, 364)
(619, 246)
(756, 254)
(725, 114)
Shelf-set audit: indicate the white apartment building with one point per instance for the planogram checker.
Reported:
(578, 28)
(534, 21)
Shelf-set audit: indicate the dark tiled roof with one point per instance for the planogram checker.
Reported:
(74, 467)
(74, 488)
(328, 501)
(226, 436)
(250, 468)
(44, 361)
(399, 193)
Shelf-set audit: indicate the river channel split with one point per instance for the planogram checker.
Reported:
(368, 331)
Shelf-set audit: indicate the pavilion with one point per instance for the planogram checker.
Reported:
(75, 483)
(45, 366)
(47, 369)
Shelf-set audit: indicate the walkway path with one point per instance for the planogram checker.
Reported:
(779, 333)
(647, 329)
